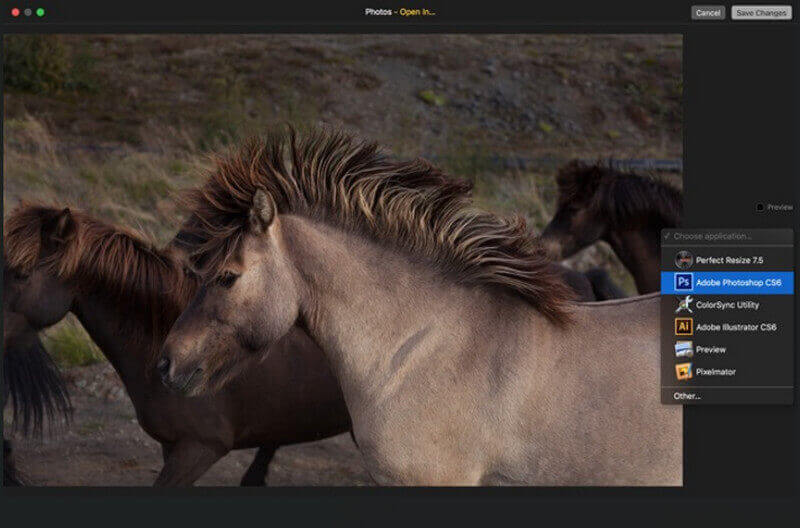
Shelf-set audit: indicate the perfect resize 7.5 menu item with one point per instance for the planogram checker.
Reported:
(727, 316)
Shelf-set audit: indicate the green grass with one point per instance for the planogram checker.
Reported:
(161, 117)
(70, 345)
(432, 98)
(134, 188)
(545, 127)
(90, 428)
(234, 114)
(466, 158)
(45, 64)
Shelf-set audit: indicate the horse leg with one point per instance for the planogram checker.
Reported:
(10, 475)
(603, 287)
(165, 450)
(185, 462)
(256, 474)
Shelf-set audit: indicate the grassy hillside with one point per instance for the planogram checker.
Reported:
(116, 124)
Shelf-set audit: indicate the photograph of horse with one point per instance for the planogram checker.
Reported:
(127, 293)
(337, 259)
(32, 384)
(42, 291)
(459, 357)
(625, 210)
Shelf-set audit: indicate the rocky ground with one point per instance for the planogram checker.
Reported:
(419, 95)
(104, 446)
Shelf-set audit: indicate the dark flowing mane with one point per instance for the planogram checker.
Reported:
(146, 282)
(410, 206)
(622, 198)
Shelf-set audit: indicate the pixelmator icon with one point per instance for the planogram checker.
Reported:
(683, 371)
(684, 326)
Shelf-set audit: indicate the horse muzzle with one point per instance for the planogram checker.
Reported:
(183, 380)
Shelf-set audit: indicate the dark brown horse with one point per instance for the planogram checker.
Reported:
(126, 293)
(625, 210)
(32, 384)
(593, 285)
(11, 475)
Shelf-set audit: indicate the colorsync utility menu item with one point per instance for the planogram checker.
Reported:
(727, 316)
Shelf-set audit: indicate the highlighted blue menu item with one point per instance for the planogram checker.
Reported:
(728, 282)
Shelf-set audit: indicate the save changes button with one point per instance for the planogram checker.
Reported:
(761, 12)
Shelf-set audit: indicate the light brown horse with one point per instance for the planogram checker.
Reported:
(460, 360)
(127, 293)
(625, 210)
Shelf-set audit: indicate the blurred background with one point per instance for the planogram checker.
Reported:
(115, 124)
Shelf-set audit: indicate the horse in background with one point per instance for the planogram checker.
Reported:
(625, 210)
(126, 293)
(460, 356)
(32, 384)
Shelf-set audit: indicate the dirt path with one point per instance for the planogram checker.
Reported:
(104, 446)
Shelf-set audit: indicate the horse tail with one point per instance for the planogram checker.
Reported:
(34, 386)
(604, 288)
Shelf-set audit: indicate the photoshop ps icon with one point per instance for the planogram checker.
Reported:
(684, 281)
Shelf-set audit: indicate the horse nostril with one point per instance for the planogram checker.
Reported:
(163, 366)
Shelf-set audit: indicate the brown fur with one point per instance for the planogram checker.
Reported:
(625, 210)
(126, 293)
(410, 205)
(446, 384)
(622, 198)
(99, 256)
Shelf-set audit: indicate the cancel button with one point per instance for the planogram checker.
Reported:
(708, 12)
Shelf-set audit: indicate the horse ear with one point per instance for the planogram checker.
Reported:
(64, 227)
(262, 212)
(588, 178)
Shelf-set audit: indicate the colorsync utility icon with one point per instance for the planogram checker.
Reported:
(685, 304)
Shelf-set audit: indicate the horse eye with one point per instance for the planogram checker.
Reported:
(21, 275)
(227, 279)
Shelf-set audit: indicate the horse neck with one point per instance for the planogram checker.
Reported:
(638, 249)
(124, 339)
(371, 309)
